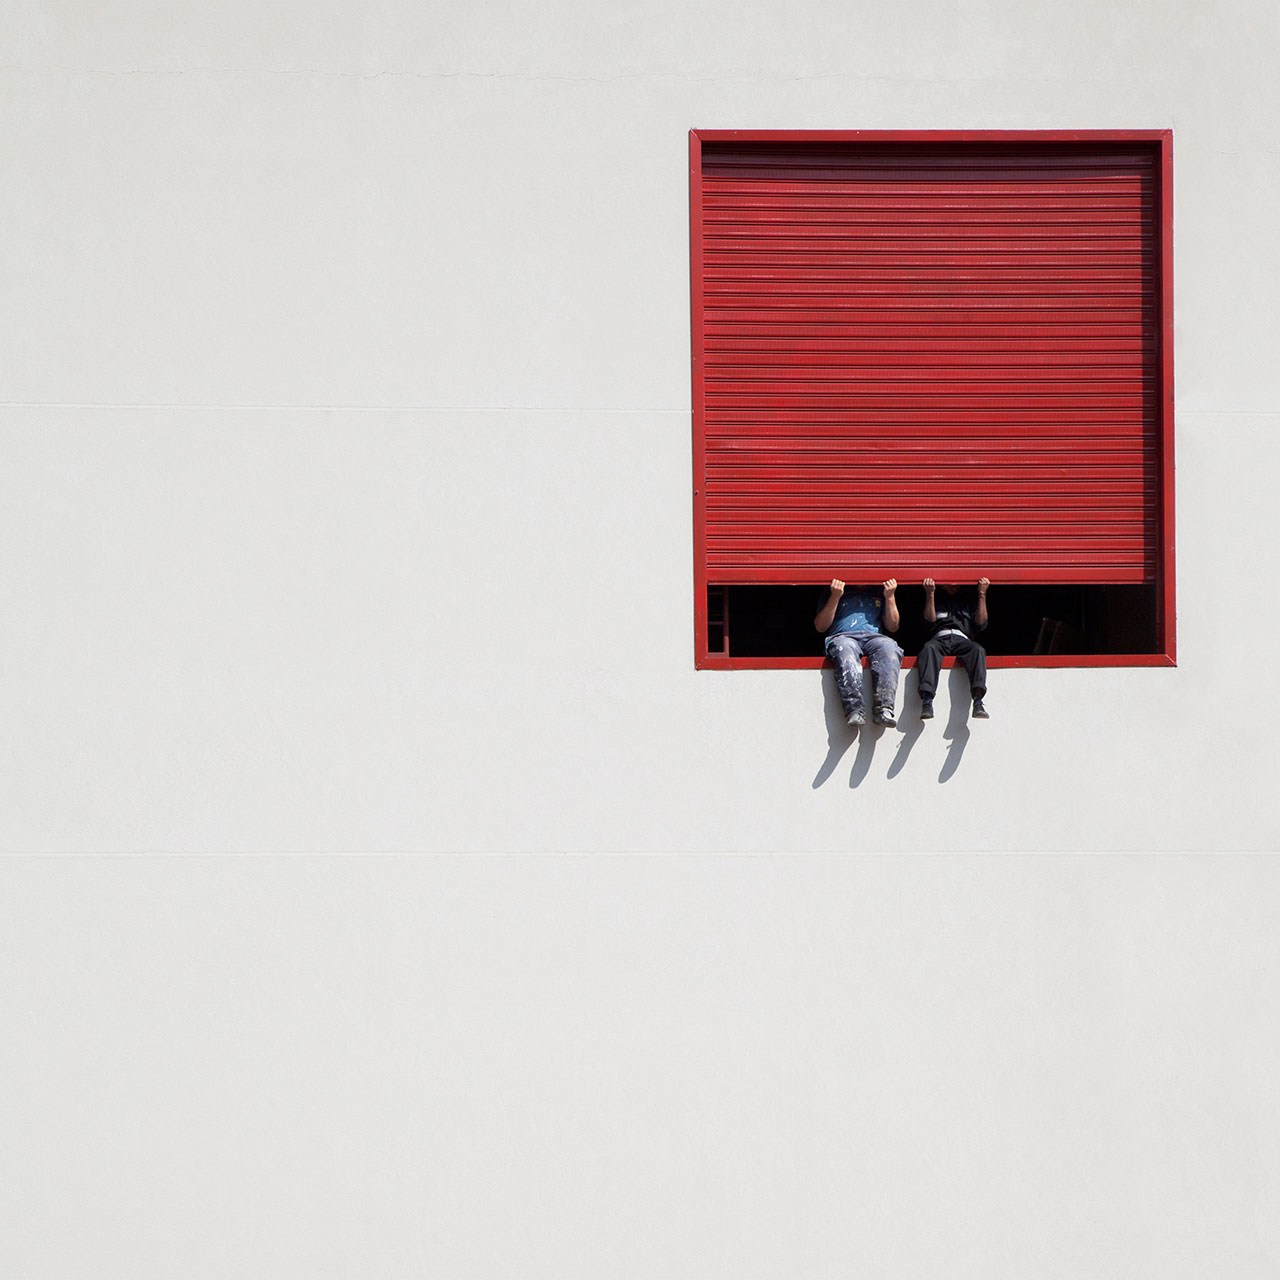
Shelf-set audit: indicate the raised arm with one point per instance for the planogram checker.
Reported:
(980, 614)
(826, 615)
(930, 613)
(891, 618)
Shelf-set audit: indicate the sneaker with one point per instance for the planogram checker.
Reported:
(926, 709)
(885, 717)
(855, 717)
(979, 711)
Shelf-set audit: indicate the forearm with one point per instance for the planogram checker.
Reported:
(930, 613)
(891, 618)
(826, 615)
(980, 614)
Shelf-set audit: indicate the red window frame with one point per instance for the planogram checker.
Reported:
(1161, 140)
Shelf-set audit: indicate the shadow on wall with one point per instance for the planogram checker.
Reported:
(840, 736)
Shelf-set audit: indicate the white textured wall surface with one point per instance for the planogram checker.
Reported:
(568, 1068)
(345, 420)
(344, 508)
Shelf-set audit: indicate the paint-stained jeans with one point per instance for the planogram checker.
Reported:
(884, 658)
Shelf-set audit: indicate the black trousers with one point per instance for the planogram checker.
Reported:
(970, 654)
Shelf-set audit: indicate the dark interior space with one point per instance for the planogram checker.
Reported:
(1026, 619)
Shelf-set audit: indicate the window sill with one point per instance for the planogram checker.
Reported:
(720, 662)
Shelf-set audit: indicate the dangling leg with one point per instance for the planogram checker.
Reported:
(886, 661)
(928, 664)
(974, 659)
(846, 655)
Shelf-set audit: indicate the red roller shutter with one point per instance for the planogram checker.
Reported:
(927, 358)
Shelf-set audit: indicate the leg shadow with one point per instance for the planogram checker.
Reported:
(868, 736)
(910, 725)
(840, 735)
(957, 730)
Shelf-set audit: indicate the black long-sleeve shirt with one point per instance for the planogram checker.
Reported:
(956, 612)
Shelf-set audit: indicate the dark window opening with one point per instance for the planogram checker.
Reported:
(1026, 620)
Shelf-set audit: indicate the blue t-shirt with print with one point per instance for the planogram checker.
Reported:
(858, 610)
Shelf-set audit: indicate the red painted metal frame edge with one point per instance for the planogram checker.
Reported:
(718, 662)
(1166, 579)
(930, 135)
(698, 332)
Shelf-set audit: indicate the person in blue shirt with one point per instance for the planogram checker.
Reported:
(954, 616)
(854, 621)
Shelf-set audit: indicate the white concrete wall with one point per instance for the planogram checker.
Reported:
(562, 1069)
(329, 326)
(344, 415)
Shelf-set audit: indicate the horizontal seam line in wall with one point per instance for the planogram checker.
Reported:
(523, 852)
(336, 408)
(732, 74)
(466, 408)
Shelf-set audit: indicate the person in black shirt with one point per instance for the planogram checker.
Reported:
(954, 617)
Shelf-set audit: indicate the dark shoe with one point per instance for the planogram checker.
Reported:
(979, 711)
(855, 717)
(885, 717)
(926, 709)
